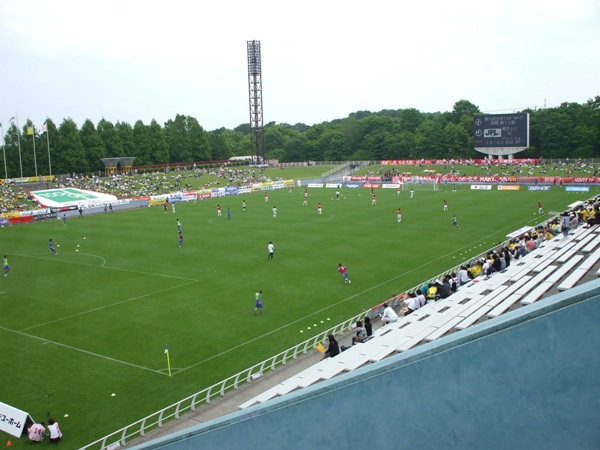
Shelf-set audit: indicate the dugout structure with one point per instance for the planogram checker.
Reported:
(114, 166)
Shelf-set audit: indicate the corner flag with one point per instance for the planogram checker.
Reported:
(168, 360)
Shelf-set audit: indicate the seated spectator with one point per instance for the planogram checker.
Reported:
(496, 263)
(443, 290)
(388, 315)
(421, 298)
(412, 304)
(476, 269)
(332, 350)
(368, 327)
(361, 333)
(432, 292)
(36, 432)
(454, 282)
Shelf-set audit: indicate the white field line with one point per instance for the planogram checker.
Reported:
(55, 258)
(237, 346)
(149, 294)
(82, 351)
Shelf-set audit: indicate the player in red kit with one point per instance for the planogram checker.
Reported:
(344, 272)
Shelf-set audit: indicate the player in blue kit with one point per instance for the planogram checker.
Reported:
(51, 247)
(258, 306)
(5, 265)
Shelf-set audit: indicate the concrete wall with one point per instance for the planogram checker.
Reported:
(528, 380)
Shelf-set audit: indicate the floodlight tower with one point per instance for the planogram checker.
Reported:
(255, 94)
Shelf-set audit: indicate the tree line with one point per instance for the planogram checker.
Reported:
(570, 130)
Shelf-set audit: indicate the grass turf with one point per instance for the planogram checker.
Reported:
(83, 325)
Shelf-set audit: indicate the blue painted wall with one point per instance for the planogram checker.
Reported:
(528, 380)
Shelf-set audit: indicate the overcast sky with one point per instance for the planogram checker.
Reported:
(321, 60)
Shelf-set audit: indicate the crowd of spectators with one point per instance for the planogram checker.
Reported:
(585, 214)
(15, 198)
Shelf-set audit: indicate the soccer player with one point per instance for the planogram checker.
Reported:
(258, 304)
(51, 247)
(305, 201)
(266, 197)
(399, 215)
(65, 219)
(445, 206)
(5, 265)
(218, 210)
(454, 222)
(344, 272)
(337, 194)
(271, 249)
(165, 204)
(374, 200)
(178, 225)
(180, 239)
(172, 206)
(274, 211)
(228, 214)
(398, 191)
(319, 209)
(540, 208)
(412, 193)
(244, 205)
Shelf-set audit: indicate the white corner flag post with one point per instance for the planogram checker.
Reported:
(168, 360)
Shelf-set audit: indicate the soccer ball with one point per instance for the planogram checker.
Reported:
(58, 245)
(77, 250)
(77, 245)
(349, 281)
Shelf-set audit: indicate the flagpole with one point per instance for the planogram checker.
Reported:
(4, 153)
(34, 157)
(48, 142)
(19, 141)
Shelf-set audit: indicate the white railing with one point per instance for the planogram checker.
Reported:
(174, 411)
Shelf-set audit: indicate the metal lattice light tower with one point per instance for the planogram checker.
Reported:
(255, 93)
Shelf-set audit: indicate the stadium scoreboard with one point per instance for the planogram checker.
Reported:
(501, 134)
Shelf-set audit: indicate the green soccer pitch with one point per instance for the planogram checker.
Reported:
(85, 325)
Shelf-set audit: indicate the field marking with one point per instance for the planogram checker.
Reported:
(319, 311)
(99, 308)
(54, 258)
(87, 352)
(96, 256)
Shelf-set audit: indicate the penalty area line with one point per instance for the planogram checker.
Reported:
(149, 294)
(87, 352)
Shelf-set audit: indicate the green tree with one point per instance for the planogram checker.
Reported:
(93, 145)
(70, 152)
(112, 141)
(11, 150)
(158, 146)
(142, 144)
(219, 146)
(455, 139)
(463, 108)
(125, 132)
